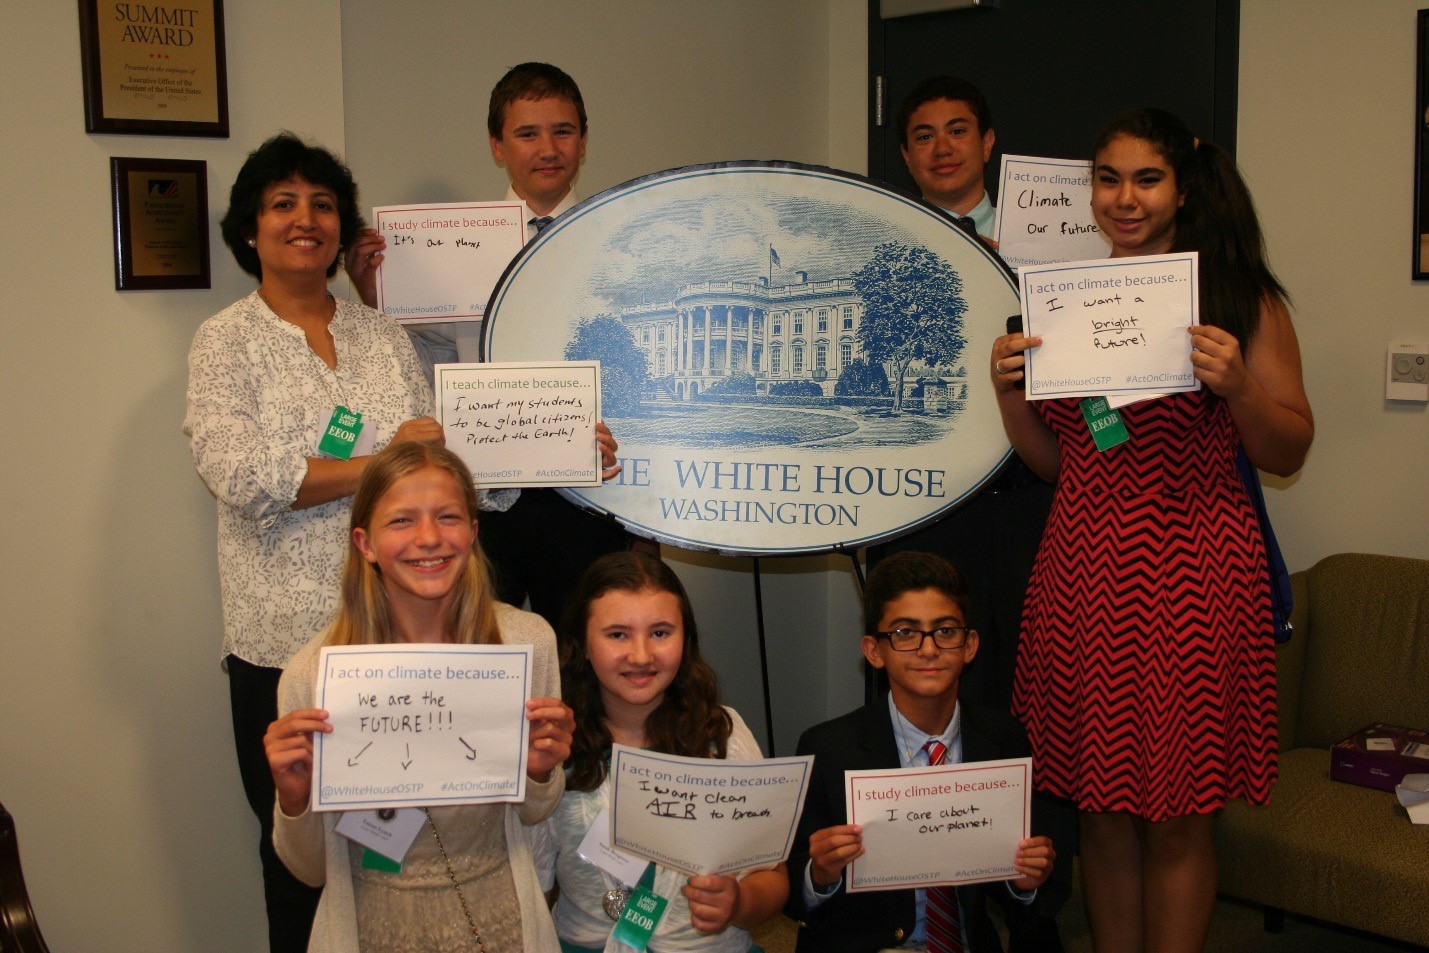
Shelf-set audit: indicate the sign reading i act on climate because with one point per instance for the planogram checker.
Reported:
(1044, 212)
(1112, 327)
(704, 815)
(421, 725)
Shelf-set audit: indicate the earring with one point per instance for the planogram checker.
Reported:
(252, 243)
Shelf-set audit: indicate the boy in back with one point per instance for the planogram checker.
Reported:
(915, 620)
(539, 544)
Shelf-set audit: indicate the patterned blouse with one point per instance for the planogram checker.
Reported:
(259, 399)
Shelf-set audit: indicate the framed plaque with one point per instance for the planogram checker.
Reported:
(154, 67)
(1421, 151)
(160, 223)
(794, 359)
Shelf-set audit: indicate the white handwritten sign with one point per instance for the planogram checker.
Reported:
(1114, 326)
(950, 824)
(421, 725)
(1044, 212)
(705, 816)
(442, 260)
(523, 423)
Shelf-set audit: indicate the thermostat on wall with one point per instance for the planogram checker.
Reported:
(1406, 373)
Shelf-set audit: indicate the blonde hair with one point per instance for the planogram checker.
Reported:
(363, 617)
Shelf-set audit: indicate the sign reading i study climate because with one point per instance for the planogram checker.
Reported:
(442, 260)
(947, 824)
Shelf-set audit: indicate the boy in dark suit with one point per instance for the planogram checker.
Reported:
(915, 612)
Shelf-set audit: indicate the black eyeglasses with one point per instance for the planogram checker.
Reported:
(911, 640)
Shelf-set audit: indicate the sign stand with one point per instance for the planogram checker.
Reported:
(763, 658)
(870, 686)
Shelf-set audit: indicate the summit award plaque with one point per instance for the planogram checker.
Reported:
(154, 67)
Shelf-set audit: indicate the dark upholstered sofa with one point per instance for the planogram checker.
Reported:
(1322, 848)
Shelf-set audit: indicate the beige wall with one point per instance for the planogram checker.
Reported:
(665, 85)
(1327, 130)
(115, 752)
(744, 79)
(115, 747)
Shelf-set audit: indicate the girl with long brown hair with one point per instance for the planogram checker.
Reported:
(415, 574)
(631, 668)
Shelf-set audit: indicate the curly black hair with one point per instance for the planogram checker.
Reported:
(283, 157)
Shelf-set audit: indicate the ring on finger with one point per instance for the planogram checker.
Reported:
(997, 366)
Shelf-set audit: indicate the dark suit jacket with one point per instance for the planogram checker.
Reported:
(865, 922)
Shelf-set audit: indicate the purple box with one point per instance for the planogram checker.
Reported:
(1379, 756)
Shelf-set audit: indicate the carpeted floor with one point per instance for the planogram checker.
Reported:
(1237, 928)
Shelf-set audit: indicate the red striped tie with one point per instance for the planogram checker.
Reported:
(944, 925)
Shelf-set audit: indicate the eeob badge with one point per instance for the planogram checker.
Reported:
(792, 357)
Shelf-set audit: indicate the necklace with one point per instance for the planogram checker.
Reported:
(451, 872)
(615, 900)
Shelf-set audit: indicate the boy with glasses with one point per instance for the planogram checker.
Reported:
(915, 617)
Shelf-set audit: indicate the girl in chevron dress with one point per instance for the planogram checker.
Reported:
(1146, 672)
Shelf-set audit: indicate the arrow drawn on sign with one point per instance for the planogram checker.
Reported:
(472, 756)
(408, 763)
(352, 761)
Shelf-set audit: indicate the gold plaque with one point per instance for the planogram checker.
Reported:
(154, 67)
(160, 223)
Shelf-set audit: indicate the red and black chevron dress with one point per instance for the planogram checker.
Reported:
(1146, 672)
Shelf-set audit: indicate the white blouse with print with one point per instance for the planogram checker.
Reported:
(259, 400)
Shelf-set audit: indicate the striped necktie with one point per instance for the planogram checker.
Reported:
(940, 904)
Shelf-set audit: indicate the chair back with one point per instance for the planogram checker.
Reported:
(1365, 651)
(19, 933)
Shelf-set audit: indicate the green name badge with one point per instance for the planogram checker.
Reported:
(641, 915)
(1104, 423)
(371, 860)
(341, 434)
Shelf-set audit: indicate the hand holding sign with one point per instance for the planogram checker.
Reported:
(288, 743)
(362, 259)
(831, 850)
(712, 899)
(1033, 860)
(553, 725)
(1217, 358)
